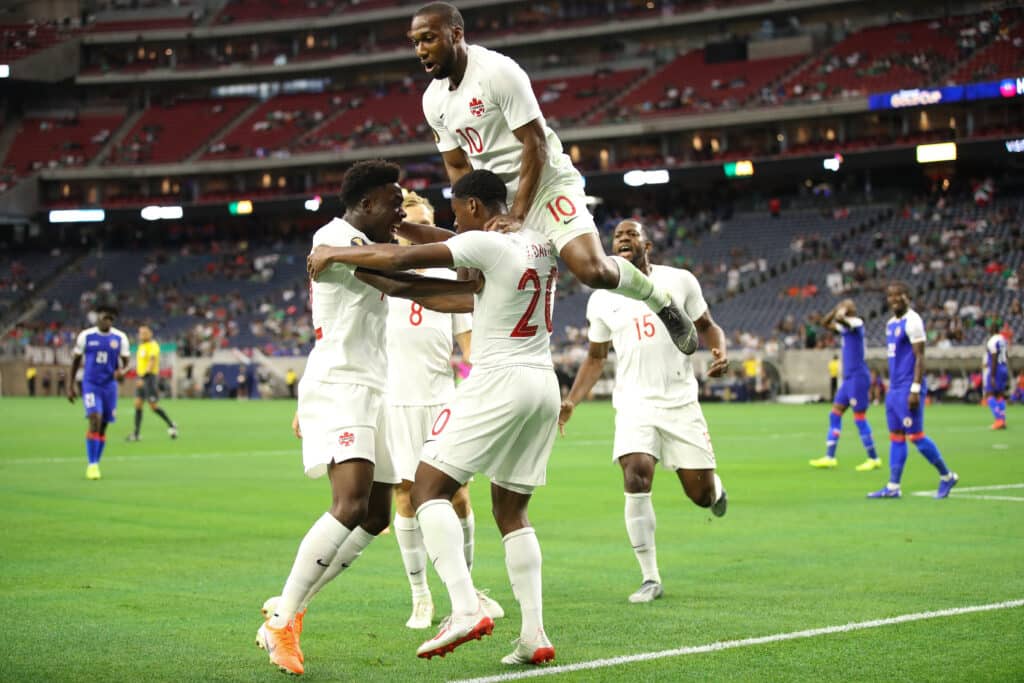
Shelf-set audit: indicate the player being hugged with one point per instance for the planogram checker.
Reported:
(485, 115)
(341, 411)
(503, 419)
(105, 352)
(904, 404)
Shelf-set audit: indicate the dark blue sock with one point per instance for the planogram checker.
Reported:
(897, 458)
(931, 453)
(90, 448)
(865, 436)
(835, 426)
(993, 405)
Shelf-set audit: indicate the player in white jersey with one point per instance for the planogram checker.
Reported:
(657, 416)
(420, 384)
(340, 415)
(485, 115)
(503, 419)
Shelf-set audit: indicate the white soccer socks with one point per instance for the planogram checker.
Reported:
(313, 558)
(468, 532)
(414, 553)
(523, 561)
(442, 534)
(633, 284)
(349, 551)
(640, 525)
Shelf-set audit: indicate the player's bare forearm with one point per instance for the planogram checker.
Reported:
(387, 257)
(423, 234)
(589, 372)
(456, 164)
(918, 361)
(76, 362)
(413, 286)
(447, 303)
(712, 336)
(535, 155)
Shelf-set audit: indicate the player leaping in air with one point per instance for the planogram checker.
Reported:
(485, 115)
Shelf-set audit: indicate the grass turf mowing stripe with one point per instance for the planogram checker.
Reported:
(147, 456)
(746, 642)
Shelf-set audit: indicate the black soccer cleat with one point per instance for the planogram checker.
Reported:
(719, 507)
(680, 328)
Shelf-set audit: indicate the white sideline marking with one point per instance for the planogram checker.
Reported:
(746, 642)
(968, 492)
(143, 457)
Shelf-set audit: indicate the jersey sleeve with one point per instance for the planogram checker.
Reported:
(461, 322)
(510, 88)
(693, 302)
(443, 138)
(126, 347)
(80, 343)
(476, 249)
(915, 328)
(993, 344)
(599, 332)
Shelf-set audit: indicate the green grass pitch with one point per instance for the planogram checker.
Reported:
(158, 571)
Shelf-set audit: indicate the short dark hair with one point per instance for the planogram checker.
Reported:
(365, 176)
(106, 308)
(449, 13)
(901, 285)
(484, 186)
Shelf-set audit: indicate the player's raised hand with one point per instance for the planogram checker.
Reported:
(295, 426)
(503, 223)
(564, 414)
(318, 260)
(719, 363)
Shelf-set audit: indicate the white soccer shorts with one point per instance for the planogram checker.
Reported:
(408, 429)
(677, 437)
(342, 422)
(561, 214)
(502, 423)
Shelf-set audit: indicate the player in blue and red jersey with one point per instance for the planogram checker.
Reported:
(997, 375)
(853, 392)
(105, 352)
(904, 404)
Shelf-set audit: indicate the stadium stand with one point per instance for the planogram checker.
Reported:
(171, 133)
(45, 142)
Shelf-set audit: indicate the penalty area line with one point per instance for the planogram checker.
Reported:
(746, 642)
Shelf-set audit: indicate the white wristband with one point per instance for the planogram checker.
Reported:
(915, 388)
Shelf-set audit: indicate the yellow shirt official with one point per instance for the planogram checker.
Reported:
(147, 359)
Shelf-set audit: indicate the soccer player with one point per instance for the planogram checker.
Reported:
(105, 351)
(904, 403)
(420, 384)
(997, 375)
(340, 414)
(485, 115)
(854, 389)
(657, 416)
(147, 365)
(502, 421)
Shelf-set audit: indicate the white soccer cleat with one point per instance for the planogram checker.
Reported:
(172, 431)
(490, 605)
(269, 607)
(649, 591)
(422, 612)
(536, 651)
(455, 631)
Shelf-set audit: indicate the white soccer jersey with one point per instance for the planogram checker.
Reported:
(512, 314)
(349, 318)
(420, 349)
(494, 98)
(996, 344)
(649, 367)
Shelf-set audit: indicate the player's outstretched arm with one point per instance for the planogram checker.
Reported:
(380, 257)
(586, 377)
(419, 233)
(713, 337)
(437, 294)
